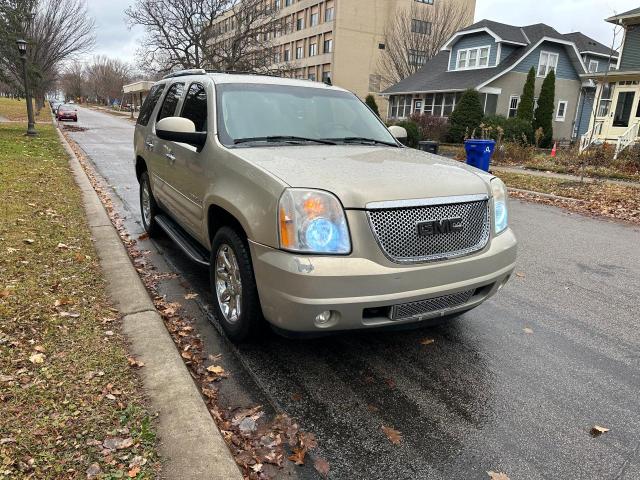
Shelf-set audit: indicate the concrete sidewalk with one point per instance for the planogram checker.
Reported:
(191, 445)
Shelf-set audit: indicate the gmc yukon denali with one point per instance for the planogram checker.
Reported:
(308, 211)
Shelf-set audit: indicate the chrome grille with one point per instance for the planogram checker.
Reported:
(423, 307)
(396, 230)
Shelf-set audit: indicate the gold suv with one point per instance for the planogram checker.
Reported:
(309, 212)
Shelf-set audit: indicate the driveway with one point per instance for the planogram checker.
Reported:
(486, 395)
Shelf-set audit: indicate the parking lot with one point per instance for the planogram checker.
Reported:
(513, 386)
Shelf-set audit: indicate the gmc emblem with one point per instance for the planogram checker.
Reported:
(435, 227)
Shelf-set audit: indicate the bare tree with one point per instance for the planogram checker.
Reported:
(177, 31)
(243, 40)
(57, 30)
(416, 35)
(106, 77)
(73, 80)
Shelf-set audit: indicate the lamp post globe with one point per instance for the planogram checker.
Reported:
(22, 49)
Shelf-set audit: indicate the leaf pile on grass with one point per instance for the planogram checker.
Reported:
(70, 404)
(619, 202)
(260, 445)
(16, 110)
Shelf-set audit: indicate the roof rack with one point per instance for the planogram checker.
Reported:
(240, 72)
(184, 73)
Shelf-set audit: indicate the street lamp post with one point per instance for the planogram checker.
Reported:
(22, 48)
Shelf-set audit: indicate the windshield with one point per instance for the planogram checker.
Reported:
(251, 114)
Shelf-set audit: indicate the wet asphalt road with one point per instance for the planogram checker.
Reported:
(485, 395)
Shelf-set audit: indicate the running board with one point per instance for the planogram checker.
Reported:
(188, 245)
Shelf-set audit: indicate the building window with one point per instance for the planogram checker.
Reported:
(328, 14)
(605, 99)
(313, 20)
(428, 2)
(276, 57)
(417, 105)
(473, 58)
(287, 55)
(326, 77)
(561, 113)
(417, 57)
(593, 66)
(300, 23)
(328, 46)
(400, 106)
(313, 49)
(420, 26)
(548, 61)
(514, 101)
(299, 53)
(276, 4)
(288, 3)
(312, 77)
(381, 46)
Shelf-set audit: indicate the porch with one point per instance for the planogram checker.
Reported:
(615, 116)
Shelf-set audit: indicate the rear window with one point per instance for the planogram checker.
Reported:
(149, 104)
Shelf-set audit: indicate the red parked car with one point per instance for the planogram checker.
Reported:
(67, 112)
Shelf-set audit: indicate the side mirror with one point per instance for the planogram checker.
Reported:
(181, 130)
(399, 132)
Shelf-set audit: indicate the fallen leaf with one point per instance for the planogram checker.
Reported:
(298, 456)
(109, 333)
(93, 471)
(190, 296)
(597, 430)
(144, 236)
(5, 293)
(520, 274)
(135, 363)
(527, 330)
(296, 397)
(372, 408)
(134, 472)
(117, 443)
(6, 378)
(7, 440)
(28, 241)
(11, 249)
(79, 257)
(37, 358)
(394, 436)
(39, 348)
(321, 466)
(497, 476)
(62, 246)
(257, 467)
(218, 370)
(427, 341)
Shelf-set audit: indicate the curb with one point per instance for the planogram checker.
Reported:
(545, 195)
(191, 446)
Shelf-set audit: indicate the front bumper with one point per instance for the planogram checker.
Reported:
(359, 289)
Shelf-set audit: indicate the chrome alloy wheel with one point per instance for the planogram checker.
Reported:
(228, 283)
(146, 203)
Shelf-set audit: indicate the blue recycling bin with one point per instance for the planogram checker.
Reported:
(479, 153)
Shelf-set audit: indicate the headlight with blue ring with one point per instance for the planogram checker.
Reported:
(500, 209)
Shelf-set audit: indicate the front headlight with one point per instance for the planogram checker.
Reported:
(312, 221)
(500, 214)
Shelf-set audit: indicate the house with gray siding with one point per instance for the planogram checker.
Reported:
(494, 58)
(614, 113)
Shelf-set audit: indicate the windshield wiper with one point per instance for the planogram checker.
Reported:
(282, 138)
(364, 141)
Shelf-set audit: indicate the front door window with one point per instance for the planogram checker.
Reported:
(623, 109)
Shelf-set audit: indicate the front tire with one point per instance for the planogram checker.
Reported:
(236, 301)
(148, 206)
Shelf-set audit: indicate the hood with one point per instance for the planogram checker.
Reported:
(362, 174)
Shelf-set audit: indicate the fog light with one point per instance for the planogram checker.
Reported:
(323, 318)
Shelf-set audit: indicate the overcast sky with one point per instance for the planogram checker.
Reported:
(114, 39)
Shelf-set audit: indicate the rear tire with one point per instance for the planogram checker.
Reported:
(236, 302)
(148, 207)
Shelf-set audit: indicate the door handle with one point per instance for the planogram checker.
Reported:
(148, 144)
(170, 156)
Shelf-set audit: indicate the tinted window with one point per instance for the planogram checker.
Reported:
(195, 106)
(149, 104)
(170, 103)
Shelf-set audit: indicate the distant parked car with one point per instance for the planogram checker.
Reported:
(67, 112)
